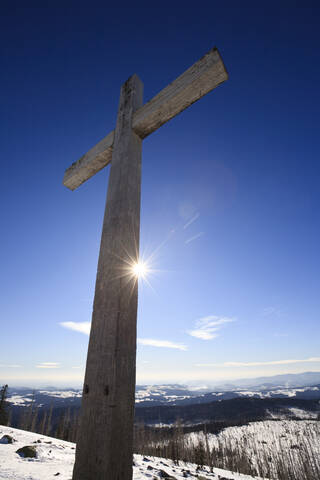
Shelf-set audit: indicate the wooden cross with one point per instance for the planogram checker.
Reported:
(104, 444)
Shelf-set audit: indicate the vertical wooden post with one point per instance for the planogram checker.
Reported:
(104, 444)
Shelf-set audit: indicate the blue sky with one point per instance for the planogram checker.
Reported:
(230, 189)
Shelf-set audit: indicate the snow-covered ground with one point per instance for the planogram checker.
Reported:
(55, 458)
(24, 399)
(292, 412)
(20, 399)
(285, 392)
(62, 393)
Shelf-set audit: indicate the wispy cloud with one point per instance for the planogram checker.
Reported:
(273, 312)
(48, 365)
(186, 210)
(206, 328)
(161, 343)
(259, 364)
(193, 219)
(194, 238)
(10, 366)
(83, 327)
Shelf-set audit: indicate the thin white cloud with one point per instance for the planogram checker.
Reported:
(161, 343)
(10, 366)
(186, 210)
(203, 334)
(83, 327)
(48, 365)
(193, 219)
(273, 312)
(259, 364)
(194, 238)
(206, 328)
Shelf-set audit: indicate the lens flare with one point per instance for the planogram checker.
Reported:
(140, 269)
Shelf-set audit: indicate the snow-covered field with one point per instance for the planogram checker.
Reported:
(55, 458)
(20, 399)
(292, 412)
(62, 393)
(285, 392)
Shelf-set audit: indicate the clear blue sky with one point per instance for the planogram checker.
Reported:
(230, 191)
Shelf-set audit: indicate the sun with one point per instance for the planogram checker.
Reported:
(140, 269)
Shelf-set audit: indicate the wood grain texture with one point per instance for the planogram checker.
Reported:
(89, 164)
(104, 442)
(202, 77)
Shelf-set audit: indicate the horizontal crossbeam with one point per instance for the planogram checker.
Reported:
(202, 77)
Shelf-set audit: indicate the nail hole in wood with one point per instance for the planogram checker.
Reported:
(86, 389)
(106, 390)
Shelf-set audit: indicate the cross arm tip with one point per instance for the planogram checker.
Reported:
(215, 49)
(90, 163)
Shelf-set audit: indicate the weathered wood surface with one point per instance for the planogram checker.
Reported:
(202, 77)
(90, 163)
(105, 437)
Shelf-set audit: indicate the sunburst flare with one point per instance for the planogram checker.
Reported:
(140, 269)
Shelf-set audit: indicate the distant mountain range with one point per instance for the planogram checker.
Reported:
(280, 397)
(304, 379)
(299, 386)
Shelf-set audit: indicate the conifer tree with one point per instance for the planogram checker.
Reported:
(4, 408)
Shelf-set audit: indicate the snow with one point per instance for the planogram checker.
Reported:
(285, 392)
(292, 412)
(19, 400)
(62, 393)
(148, 392)
(56, 458)
(303, 414)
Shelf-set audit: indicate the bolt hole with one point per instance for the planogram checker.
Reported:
(106, 390)
(86, 389)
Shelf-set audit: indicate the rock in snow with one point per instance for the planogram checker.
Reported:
(6, 439)
(29, 451)
(55, 458)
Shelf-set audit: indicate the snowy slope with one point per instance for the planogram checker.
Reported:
(295, 445)
(56, 457)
